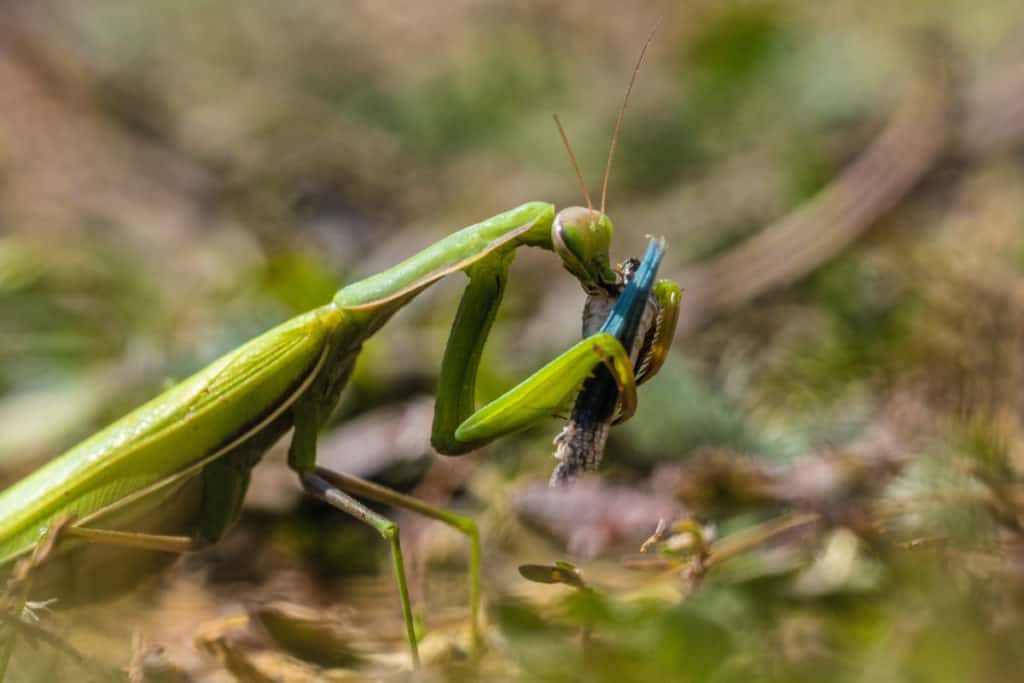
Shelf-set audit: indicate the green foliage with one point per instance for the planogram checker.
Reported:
(451, 112)
(682, 412)
(629, 642)
(862, 332)
(661, 148)
(738, 43)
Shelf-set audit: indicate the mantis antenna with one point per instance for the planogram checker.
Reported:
(622, 111)
(575, 163)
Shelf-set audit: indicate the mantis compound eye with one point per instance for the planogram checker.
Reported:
(582, 237)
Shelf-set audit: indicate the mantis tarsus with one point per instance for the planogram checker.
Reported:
(172, 475)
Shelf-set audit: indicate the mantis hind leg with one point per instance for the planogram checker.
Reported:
(18, 614)
(224, 488)
(15, 597)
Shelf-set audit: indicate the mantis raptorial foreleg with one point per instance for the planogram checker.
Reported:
(456, 399)
(458, 428)
(547, 390)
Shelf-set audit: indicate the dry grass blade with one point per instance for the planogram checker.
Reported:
(914, 140)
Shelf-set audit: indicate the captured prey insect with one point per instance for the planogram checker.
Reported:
(643, 311)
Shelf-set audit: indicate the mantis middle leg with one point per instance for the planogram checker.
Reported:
(337, 489)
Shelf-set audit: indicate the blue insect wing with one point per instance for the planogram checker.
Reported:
(624, 320)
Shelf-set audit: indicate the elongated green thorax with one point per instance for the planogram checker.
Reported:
(528, 224)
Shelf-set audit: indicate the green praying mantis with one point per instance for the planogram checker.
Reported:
(181, 462)
(171, 476)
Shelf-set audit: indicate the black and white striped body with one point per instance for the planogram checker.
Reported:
(579, 447)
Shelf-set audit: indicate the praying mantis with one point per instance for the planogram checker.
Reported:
(171, 476)
(181, 462)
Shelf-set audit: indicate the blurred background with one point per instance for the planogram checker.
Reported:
(834, 446)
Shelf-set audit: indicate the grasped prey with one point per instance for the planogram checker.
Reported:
(642, 315)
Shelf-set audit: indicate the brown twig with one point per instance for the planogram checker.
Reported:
(911, 144)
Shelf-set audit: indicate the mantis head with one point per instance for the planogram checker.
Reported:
(582, 237)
